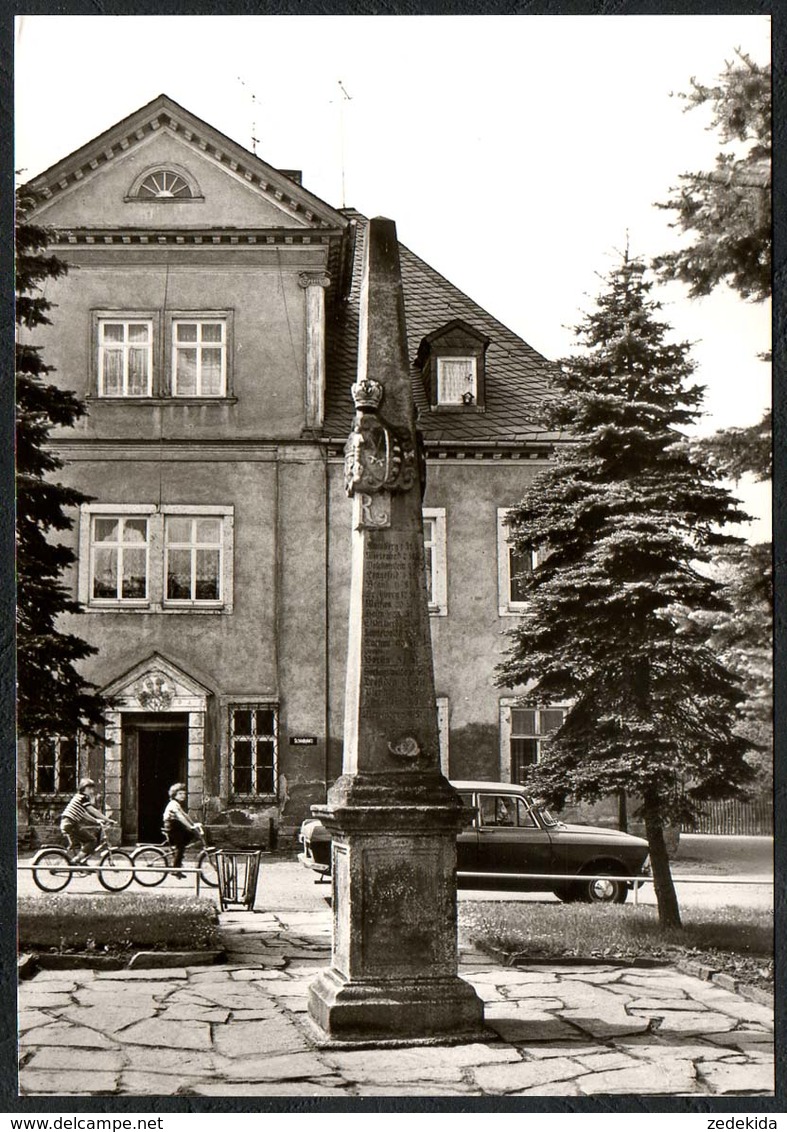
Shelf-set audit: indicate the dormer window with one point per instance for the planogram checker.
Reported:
(164, 184)
(452, 364)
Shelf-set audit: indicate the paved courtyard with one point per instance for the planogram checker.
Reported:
(242, 1030)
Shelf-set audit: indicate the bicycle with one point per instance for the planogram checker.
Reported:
(53, 867)
(151, 862)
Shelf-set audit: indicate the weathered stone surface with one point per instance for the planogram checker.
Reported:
(525, 1074)
(69, 1058)
(660, 1005)
(740, 1008)
(747, 1039)
(422, 1063)
(694, 1022)
(555, 1089)
(525, 1007)
(547, 1029)
(27, 1019)
(272, 1089)
(654, 1050)
(558, 1049)
(172, 975)
(268, 1036)
(169, 1035)
(605, 1060)
(108, 1018)
(672, 1077)
(605, 1024)
(176, 959)
(46, 1001)
(151, 1084)
(502, 976)
(63, 1034)
(186, 1062)
(188, 1012)
(721, 1077)
(66, 1083)
(283, 1067)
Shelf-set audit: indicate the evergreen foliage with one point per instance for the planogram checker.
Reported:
(52, 697)
(727, 211)
(627, 515)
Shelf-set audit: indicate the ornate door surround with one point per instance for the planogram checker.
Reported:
(155, 685)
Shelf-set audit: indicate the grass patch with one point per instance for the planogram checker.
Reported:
(738, 941)
(116, 923)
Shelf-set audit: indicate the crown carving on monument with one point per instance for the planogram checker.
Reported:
(367, 394)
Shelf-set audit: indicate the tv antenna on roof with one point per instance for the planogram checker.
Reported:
(343, 97)
(254, 138)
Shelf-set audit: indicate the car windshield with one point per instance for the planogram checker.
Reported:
(545, 815)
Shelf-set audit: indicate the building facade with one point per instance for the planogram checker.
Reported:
(210, 322)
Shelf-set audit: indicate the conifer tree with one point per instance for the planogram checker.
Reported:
(726, 211)
(52, 697)
(625, 518)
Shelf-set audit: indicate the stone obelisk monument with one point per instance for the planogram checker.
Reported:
(392, 814)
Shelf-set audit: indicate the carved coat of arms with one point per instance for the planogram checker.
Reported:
(155, 692)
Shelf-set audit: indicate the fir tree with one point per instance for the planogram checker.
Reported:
(52, 697)
(627, 516)
(727, 211)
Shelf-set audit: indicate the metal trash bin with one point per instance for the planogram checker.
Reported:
(238, 873)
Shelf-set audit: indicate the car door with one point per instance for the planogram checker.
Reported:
(467, 839)
(510, 839)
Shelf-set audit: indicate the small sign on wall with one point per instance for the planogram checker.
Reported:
(303, 740)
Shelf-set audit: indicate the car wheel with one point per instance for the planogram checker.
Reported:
(592, 891)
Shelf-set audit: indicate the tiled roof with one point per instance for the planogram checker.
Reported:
(516, 375)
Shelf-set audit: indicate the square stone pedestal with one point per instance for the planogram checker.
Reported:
(394, 968)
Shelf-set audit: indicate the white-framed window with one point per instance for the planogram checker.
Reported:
(522, 733)
(119, 562)
(125, 357)
(435, 557)
(199, 357)
(442, 730)
(164, 184)
(193, 547)
(148, 558)
(512, 567)
(55, 764)
(457, 381)
(253, 748)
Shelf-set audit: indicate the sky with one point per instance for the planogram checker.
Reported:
(518, 155)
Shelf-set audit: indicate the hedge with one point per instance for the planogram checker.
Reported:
(117, 922)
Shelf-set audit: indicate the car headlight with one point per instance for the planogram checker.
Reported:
(646, 866)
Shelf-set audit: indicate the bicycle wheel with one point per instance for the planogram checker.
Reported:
(149, 864)
(116, 870)
(51, 869)
(208, 869)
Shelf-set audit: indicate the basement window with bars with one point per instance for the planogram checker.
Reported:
(54, 764)
(254, 750)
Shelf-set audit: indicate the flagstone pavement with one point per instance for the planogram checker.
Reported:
(242, 1030)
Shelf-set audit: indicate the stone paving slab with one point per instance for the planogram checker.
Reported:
(241, 1030)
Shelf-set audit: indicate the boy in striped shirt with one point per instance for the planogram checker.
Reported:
(81, 821)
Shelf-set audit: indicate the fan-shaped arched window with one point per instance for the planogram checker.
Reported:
(164, 184)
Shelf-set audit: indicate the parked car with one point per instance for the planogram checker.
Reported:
(508, 834)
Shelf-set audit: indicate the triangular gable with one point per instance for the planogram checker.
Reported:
(156, 684)
(235, 185)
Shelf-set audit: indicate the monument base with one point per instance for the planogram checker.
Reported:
(376, 1010)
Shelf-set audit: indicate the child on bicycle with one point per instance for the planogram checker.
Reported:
(81, 822)
(179, 829)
